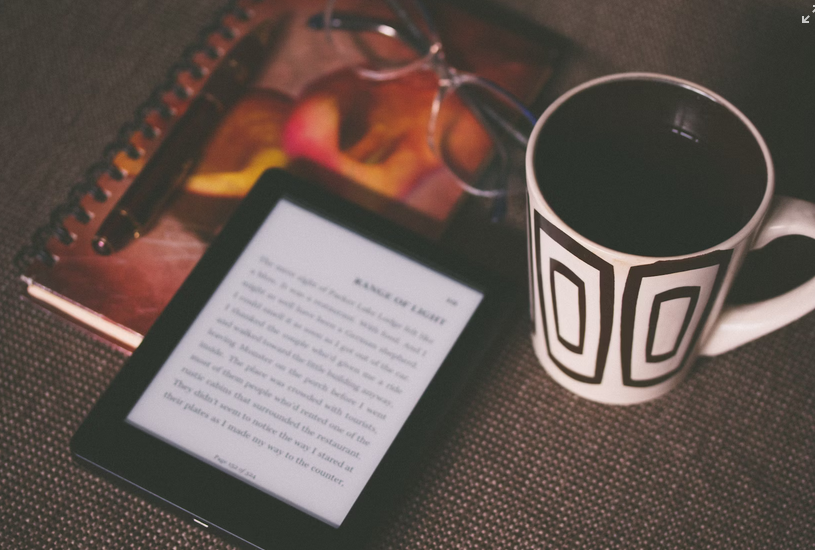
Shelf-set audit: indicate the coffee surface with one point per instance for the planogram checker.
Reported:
(651, 190)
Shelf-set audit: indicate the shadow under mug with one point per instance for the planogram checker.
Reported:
(645, 194)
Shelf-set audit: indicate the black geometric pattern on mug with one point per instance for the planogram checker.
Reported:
(665, 362)
(529, 263)
(588, 281)
(557, 267)
(691, 293)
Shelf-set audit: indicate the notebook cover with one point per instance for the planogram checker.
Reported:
(306, 96)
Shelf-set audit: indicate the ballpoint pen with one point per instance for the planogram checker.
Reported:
(153, 187)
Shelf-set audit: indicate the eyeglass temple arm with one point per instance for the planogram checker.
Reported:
(358, 23)
(495, 117)
(488, 115)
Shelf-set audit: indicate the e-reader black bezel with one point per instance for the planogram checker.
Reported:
(105, 442)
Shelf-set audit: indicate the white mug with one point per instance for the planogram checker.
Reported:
(645, 194)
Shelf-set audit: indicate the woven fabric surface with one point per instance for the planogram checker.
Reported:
(725, 461)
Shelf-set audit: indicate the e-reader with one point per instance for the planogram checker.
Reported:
(284, 396)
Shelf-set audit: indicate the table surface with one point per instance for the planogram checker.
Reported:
(727, 460)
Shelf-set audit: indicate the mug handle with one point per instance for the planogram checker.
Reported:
(740, 324)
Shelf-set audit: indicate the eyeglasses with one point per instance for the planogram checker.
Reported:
(475, 127)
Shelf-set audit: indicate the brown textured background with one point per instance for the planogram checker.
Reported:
(725, 461)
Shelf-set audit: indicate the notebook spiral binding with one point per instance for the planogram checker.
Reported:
(36, 250)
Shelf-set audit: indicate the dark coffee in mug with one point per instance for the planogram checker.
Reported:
(649, 168)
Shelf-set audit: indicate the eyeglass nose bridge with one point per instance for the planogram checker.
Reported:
(437, 60)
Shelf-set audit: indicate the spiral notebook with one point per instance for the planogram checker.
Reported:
(296, 114)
